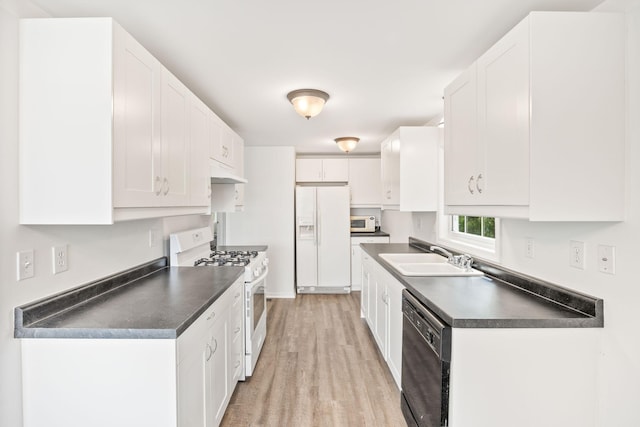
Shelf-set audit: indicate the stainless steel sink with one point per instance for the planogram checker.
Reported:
(425, 264)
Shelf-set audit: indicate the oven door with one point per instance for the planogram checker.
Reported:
(255, 320)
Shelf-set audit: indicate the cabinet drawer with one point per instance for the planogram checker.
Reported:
(371, 239)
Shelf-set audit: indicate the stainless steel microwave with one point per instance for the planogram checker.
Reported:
(363, 224)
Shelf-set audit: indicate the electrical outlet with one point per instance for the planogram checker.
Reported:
(607, 259)
(154, 238)
(60, 258)
(529, 248)
(576, 254)
(25, 265)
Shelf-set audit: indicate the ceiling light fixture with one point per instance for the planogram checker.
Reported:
(308, 102)
(347, 143)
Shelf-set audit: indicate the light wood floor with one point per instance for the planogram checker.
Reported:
(319, 367)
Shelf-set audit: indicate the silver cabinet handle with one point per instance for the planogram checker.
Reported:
(237, 330)
(157, 184)
(215, 342)
(469, 183)
(209, 352)
(237, 364)
(478, 184)
(166, 187)
(212, 315)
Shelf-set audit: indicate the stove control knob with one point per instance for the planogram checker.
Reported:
(256, 272)
(265, 262)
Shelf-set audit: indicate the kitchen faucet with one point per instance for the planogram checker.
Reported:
(442, 251)
(463, 261)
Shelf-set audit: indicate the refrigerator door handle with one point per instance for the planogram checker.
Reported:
(318, 221)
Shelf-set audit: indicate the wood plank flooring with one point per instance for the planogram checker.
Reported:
(319, 367)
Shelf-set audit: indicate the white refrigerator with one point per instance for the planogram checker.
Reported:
(323, 239)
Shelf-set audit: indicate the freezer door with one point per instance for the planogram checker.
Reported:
(306, 249)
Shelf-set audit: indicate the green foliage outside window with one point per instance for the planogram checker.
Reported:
(476, 225)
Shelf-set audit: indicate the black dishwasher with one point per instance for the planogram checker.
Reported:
(426, 361)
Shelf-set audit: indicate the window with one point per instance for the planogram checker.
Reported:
(475, 235)
(474, 225)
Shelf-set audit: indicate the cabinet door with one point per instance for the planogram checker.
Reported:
(335, 170)
(365, 183)
(390, 172)
(236, 334)
(192, 386)
(308, 170)
(226, 154)
(364, 280)
(460, 148)
(175, 141)
(136, 123)
(216, 373)
(200, 191)
(394, 298)
(503, 120)
(381, 316)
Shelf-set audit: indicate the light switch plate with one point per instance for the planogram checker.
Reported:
(25, 267)
(607, 259)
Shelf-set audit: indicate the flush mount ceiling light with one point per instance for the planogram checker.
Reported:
(347, 143)
(308, 102)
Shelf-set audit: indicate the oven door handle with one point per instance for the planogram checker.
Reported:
(261, 277)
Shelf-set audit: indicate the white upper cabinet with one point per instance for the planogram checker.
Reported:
(199, 141)
(409, 169)
(106, 131)
(364, 182)
(526, 124)
(176, 100)
(322, 170)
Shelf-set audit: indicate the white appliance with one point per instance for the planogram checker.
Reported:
(192, 248)
(323, 262)
(363, 224)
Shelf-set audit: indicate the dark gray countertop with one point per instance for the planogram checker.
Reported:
(161, 304)
(377, 233)
(490, 302)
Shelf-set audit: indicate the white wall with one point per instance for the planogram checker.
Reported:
(94, 251)
(268, 216)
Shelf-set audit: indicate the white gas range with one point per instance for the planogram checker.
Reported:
(192, 248)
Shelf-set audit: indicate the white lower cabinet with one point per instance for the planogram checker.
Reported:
(184, 382)
(208, 361)
(381, 306)
(356, 257)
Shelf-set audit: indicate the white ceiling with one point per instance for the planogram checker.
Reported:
(384, 63)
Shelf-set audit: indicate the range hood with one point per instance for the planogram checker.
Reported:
(223, 174)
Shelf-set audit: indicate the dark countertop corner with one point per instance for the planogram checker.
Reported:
(377, 233)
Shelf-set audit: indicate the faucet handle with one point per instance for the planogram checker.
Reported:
(466, 262)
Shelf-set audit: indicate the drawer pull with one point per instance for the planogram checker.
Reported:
(212, 315)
